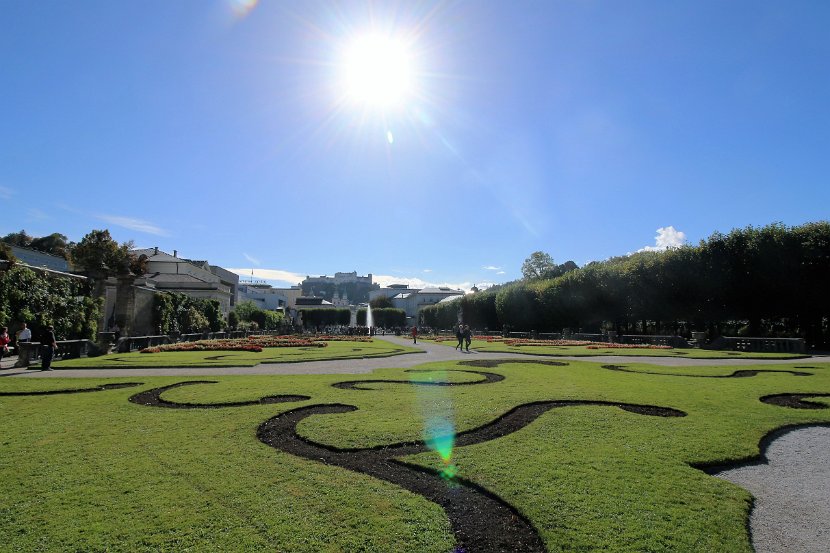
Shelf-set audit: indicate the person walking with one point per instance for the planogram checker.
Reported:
(459, 335)
(4, 343)
(48, 345)
(468, 336)
(414, 334)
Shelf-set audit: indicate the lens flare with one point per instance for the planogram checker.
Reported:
(439, 429)
(440, 436)
(241, 8)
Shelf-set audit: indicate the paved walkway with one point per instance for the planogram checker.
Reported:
(430, 352)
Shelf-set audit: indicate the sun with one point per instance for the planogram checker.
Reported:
(377, 71)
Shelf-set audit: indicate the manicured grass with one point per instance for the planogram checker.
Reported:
(334, 350)
(582, 351)
(92, 471)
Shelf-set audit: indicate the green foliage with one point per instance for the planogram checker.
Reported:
(174, 312)
(325, 317)
(40, 299)
(6, 253)
(772, 280)
(98, 254)
(55, 244)
(233, 320)
(20, 239)
(247, 311)
(387, 317)
(381, 302)
(538, 265)
(588, 478)
(477, 310)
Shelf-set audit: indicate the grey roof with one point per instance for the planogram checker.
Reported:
(440, 290)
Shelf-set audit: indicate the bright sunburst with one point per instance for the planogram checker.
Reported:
(377, 71)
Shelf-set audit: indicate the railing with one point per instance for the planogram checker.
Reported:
(132, 343)
(673, 341)
(759, 345)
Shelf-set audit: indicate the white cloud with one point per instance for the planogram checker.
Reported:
(500, 272)
(491, 268)
(37, 215)
(6, 193)
(415, 282)
(667, 237)
(271, 274)
(131, 223)
(427, 270)
(253, 260)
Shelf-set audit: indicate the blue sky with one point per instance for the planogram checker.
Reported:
(219, 129)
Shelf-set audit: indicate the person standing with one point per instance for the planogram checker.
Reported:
(24, 334)
(48, 345)
(414, 334)
(4, 342)
(459, 335)
(468, 336)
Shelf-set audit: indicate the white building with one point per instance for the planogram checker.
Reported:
(197, 279)
(263, 295)
(412, 300)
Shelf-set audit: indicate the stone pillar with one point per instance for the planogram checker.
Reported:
(125, 304)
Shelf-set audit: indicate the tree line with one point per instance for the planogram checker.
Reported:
(755, 281)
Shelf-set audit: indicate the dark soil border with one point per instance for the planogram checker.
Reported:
(795, 401)
(489, 378)
(101, 388)
(481, 521)
(589, 355)
(152, 398)
(741, 373)
(493, 363)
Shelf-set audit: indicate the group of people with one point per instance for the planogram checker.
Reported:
(464, 336)
(48, 343)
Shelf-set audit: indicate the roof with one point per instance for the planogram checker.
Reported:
(153, 255)
(441, 290)
(172, 277)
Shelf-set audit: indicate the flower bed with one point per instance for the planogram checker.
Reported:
(251, 343)
(626, 346)
(531, 342)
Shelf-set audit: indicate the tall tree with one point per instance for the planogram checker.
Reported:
(20, 239)
(97, 253)
(538, 265)
(55, 244)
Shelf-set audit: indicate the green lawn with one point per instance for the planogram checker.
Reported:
(582, 351)
(94, 472)
(334, 350)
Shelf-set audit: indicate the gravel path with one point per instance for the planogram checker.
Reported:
(430, 352)
(791, 486)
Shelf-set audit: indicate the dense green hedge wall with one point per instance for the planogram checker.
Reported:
(40, 299)
(771, 280)
(325, 317)
(386, 317)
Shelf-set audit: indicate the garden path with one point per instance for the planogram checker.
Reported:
(430, 352)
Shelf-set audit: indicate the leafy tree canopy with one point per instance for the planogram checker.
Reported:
(538, 265)
(19, 239)
(97, 252)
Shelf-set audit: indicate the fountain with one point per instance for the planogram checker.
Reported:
(369, 321)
